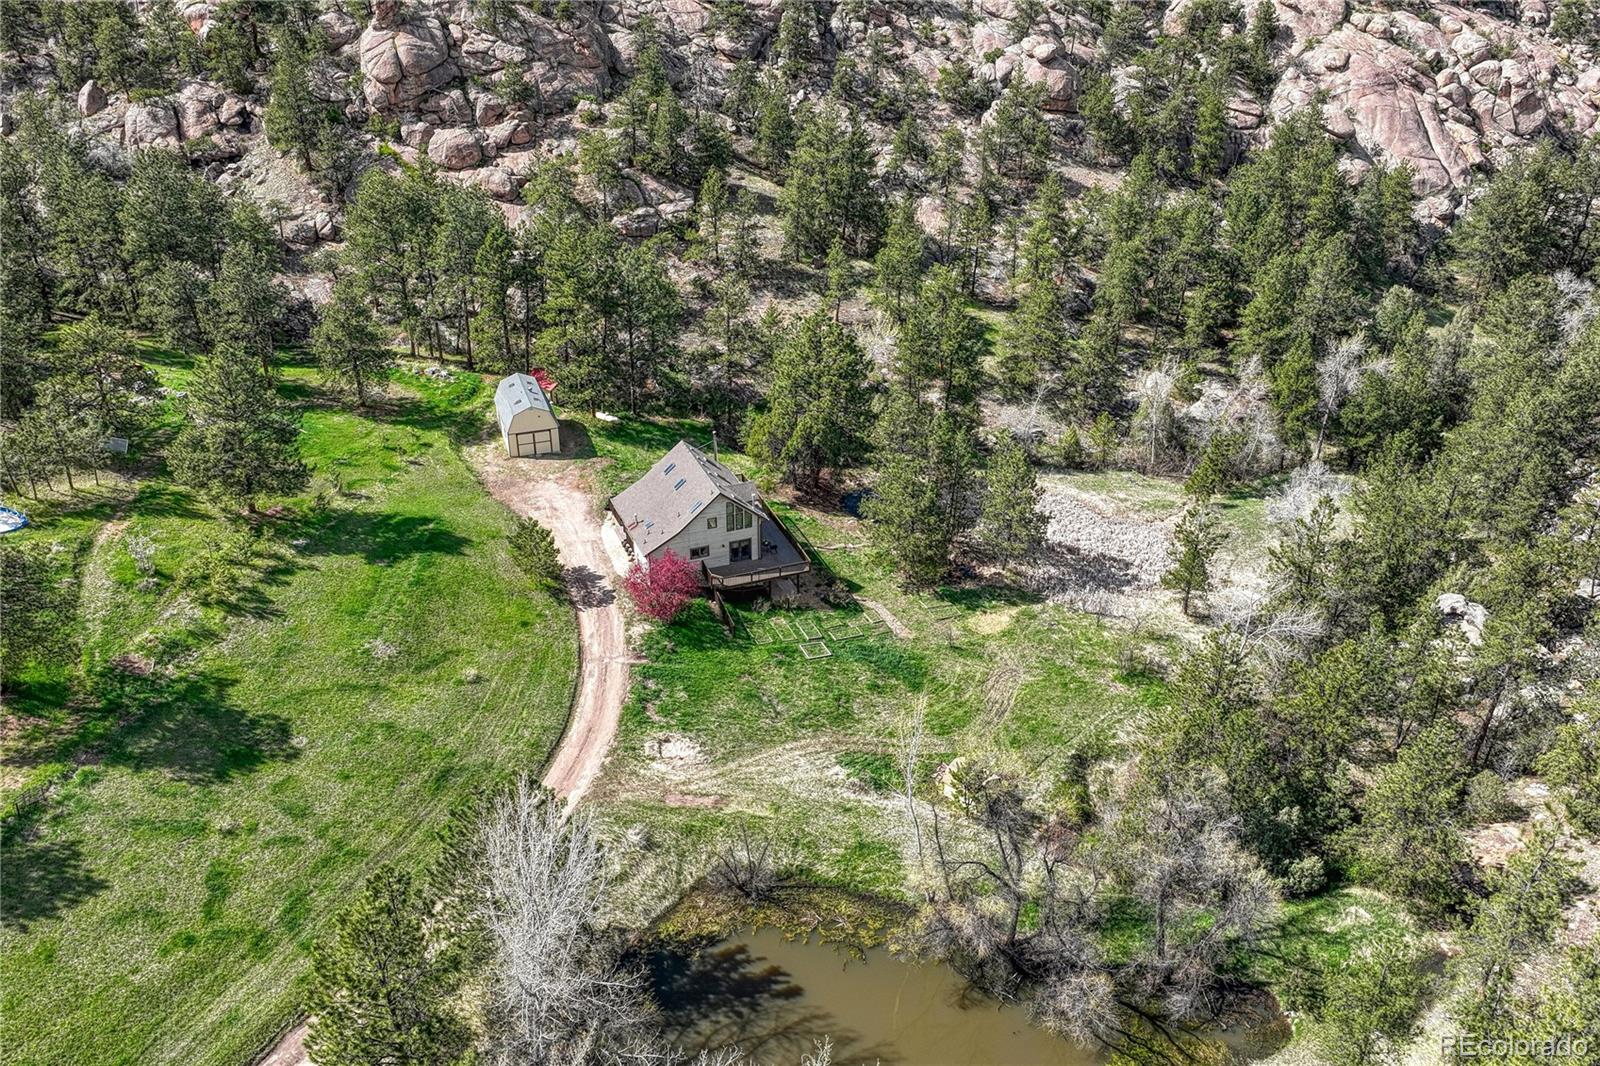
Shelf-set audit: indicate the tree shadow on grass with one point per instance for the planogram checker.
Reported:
(460, 424)
(43, 877)
(383, 537)
(187, 727)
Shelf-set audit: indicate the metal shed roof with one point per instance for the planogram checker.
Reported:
(655, 508)
(517, 393)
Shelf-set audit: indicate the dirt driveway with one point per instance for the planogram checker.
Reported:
(556, 493)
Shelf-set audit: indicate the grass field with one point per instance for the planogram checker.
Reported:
(232, 769)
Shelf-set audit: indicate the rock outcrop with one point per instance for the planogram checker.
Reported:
(1442, 91)
(1445, 88)
(403, 62)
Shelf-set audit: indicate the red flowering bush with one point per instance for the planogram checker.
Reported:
(665, 588)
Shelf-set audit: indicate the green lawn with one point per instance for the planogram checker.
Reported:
(226, 788)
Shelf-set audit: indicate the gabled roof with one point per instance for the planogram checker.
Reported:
(517, 393)
(683, 483)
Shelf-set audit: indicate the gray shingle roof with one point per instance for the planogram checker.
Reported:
(515, 393)
(683, 483)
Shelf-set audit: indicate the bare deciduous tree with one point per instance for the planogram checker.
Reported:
(558, 993)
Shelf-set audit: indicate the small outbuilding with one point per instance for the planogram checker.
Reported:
(527, 424)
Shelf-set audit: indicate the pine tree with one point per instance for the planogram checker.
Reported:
(838, 278)
(534, 549)
(1407, 842)
(1370, 1003)
(100, 375)
(712, 207)
(241, 441)
(1208, 150)
(39, 625)
(1195, 542)
(926, 485)
(349, 344)
(1011, 524)
(1034, 341)
(294, 117)
(245, 303)
(898, 265)
(941, 345)
(1515, 921)
(1293, 391)
(817, 411)
(380, 992)
(494, 275)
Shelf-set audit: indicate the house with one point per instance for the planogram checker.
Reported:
(527, 424)
(693, 506)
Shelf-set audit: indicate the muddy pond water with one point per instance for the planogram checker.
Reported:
(775, 997)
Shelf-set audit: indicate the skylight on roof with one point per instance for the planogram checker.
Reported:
(682, 481)
(670, 468)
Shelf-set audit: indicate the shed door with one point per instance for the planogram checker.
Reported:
(523, 443)
(543, 441)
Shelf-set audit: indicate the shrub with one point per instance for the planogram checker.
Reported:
(534, 549)
(1306, 876)
(664, 589)
(1487, 800)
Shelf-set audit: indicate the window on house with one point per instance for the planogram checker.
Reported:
(699, 553)
(739, 550)
(738, 517)
(711, 523)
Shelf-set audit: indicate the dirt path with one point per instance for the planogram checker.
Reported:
(556, 493)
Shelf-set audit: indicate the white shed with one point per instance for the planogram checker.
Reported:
(527, 424)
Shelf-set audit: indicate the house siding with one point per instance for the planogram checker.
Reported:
(697, 535)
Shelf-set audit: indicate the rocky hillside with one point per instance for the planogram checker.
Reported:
(1445, 88)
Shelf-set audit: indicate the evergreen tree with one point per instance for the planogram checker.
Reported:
(1034, 341)
(1011, 524)
(349, 345)
(381, 993)
(838, 278)
(1293, 391)
(1195, 542)
(246, 304)
(1370, 1004)
(1407, 842)
(817, 413)
(941, 345)
(294, 116)
(534, 549)
(494, 275)
(830, 192)
(712, 206)
(240, 441)
(100, 377)
(1515, 921)
(898, 265)
(39, 626)
(926, 486)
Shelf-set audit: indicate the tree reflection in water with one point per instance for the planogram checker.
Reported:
(717, 995)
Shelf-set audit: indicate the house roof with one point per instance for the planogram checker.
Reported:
(683, 483)
(517, 393)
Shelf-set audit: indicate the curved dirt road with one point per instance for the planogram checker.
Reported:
(553, 492)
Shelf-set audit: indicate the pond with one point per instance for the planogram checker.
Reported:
(775, 997)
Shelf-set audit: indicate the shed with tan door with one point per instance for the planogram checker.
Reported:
(527, 424)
